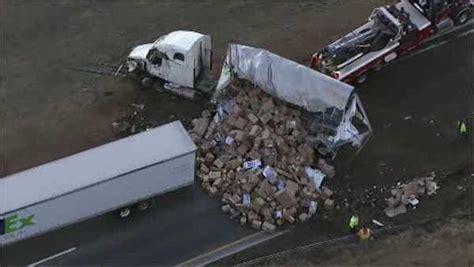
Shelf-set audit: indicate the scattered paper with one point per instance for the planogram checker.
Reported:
(316, 175)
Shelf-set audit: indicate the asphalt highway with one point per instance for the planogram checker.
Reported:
(188, 223)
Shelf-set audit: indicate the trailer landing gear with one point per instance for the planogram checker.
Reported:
(362, 78)
(144, 205)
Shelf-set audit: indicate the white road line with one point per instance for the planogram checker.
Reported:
(430, 47)
(446, 41)
(230, 249)
(465, 33)
(52, 257)
(471, 22)
(443, 42)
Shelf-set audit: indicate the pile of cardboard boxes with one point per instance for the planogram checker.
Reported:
(260, 159)
(408, 194)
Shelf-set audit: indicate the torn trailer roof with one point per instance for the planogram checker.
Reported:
(337, 110)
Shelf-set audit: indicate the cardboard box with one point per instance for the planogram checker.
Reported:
(285, 198)
(215, 174)
(233, 164)
(266, 118)
(292, 186)
(200, 126)
(257, 204)
(266, 226)
(304, 217)
(240, 123)
(267, 106)
(243, 149)
(240, 136)
(204, 169)
(252, 118)
(209, 158)
(329, 204)
(219, 163)
(254, 130)
(217, 182)
(254, 155)
(256, 224)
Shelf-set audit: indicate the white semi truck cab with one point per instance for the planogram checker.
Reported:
(183, 58)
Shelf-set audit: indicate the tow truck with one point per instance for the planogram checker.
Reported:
(391, 32)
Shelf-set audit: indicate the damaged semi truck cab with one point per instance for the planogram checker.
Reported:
(180, 57)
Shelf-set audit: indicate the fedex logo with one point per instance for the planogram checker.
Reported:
(14, 223)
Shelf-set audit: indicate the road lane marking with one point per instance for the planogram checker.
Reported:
(230, 249)
(430, 47)
(466, 33)
(471, 22)
(53, 257)
(444, 42)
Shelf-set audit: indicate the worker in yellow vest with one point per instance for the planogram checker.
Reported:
(353, 224)
(462, 129)
(364, 236)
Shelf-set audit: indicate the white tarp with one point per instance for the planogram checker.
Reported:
(283, 78)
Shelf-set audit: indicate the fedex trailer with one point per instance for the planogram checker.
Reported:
(121, 176)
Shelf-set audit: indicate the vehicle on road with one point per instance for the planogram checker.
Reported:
(391, 32)
(181, 58)
(122, 176)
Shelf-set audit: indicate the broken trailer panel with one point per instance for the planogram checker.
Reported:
(337, 113)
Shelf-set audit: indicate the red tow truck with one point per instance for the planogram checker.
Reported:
(391, 32)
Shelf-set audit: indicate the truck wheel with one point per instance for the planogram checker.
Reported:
(462, 17)
(144, 205)
(378, 67)
(146, 82)
(125, 212)
(362, 78)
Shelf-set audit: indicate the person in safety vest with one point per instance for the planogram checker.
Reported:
(364, 236)
(462, 128)
(353, 224)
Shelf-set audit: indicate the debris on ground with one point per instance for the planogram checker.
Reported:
(378, 223)
(408, 194)
(277, 125)
(132, 123)
(261, 160)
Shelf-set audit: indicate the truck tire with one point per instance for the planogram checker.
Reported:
(378, 67)
(125, 212)
(462, 17)
(144, 205)
(362, 78)
(146, 82)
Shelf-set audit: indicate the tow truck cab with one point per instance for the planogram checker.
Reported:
(438, 11)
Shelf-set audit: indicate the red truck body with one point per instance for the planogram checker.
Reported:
(407, 26)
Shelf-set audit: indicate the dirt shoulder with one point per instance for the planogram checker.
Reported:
(49, 111)
(448, 243)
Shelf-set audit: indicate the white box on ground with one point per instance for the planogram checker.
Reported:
(96, 181)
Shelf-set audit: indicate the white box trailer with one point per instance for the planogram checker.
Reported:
(114, 176)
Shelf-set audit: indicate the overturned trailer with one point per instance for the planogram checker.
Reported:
(337, 114)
